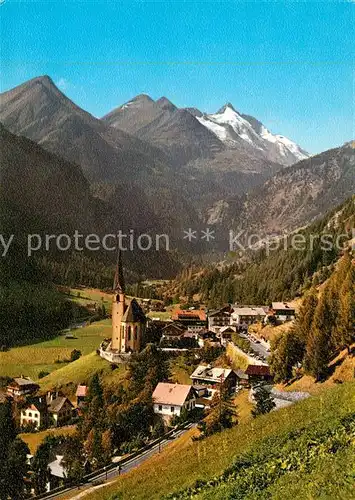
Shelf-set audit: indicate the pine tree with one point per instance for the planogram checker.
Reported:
(305, 317)
(344, 333)
(13, 451)
(107, 447)
(318, 349)
(223, 414)
(41, 473)
(94, 449)
(286, 351)
(264, 401)
(73, 458)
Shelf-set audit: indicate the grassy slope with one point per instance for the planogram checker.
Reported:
(84, 296)
(238, 361)
(80, 371)
(343, 367)
(31, 359)
(183, 463)
(34, 439)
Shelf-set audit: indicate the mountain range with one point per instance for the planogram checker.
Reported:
(152, 166)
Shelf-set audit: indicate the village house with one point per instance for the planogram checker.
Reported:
(206, 336)
(52, 410)
(173, 331)
(59, 408)
(258, 373)
(242, 379)
(283, 311)
(57, 473)
(247, 315)
(170, 399)
(34, 413)
(214, 377)
(21, 386)
(219, 318)
(193, 321)
(226, 334)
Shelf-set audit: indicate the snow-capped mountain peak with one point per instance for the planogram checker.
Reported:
(231, 127)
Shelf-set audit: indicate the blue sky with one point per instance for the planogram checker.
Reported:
(289, 64)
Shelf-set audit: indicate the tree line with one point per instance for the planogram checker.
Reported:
(324, 326)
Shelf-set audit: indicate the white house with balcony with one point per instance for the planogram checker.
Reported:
(170, 399)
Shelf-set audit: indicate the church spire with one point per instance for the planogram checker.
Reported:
(118, 282)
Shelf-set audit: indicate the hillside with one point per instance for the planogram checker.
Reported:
(40, 192)
(281, 271)
(42, 188)
(258, 449)
(119, 167)
(299, 194)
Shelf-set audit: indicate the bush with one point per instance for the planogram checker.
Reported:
(75, 354)
(42, 374)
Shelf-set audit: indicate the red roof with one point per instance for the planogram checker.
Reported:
(257, 370)
(82, 391)
(195, 314)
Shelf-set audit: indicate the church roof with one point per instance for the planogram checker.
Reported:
(133, 313)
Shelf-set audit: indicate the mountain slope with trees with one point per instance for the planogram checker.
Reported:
(283, 272)
(324, 326)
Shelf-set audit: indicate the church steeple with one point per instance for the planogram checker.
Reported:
(118, 282)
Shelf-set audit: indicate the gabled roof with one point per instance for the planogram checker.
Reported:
(211, 374)
(39, 402)
(56, 467)
(197, 314)
(258, 370)
(283, 306)
(228, 329)
(23, 382)
(249, 311)
(171, 394)
(241, 374)
(222, 310)
(175, 326)
(133, 313)
(207, 333)
(57, 404)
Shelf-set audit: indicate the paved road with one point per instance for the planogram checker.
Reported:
(131, 464)
(259, 348)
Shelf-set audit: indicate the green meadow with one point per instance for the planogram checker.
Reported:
(49, 355)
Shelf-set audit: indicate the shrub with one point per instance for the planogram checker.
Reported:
(75, 354)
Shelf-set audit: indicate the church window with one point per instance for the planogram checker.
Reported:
(129, 333)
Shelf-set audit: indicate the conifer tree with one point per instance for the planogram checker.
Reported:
(305, 317)
(319, 342)
(264, 402)
(345, 329)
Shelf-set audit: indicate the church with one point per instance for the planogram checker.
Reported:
(128, 322)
